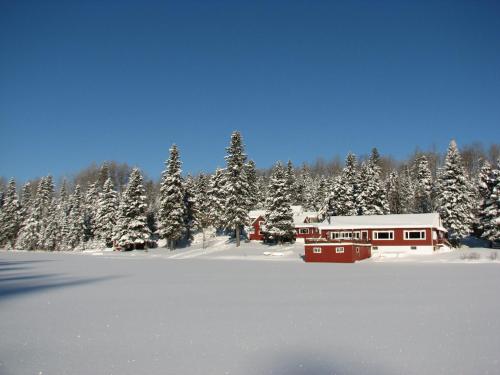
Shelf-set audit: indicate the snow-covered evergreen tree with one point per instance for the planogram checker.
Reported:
(191, 222)
(251, 173)
(76, 220)
(51, 237)
(393, 190)
(348, 187)
(454, 200)
(262, 187)
(26, 201)
(279, 216)
(217, 198)
(172, 213)
(10, 216)
(107, 210)
(63, 208)
(203, 203)
(291, 181)
(132, 231)
(490, 207)
(236, 187)
(30, 235)
(371, 198)
(423, 186)
(407, 191)
(90, 211)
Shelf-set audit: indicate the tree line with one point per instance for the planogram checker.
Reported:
(113, 205)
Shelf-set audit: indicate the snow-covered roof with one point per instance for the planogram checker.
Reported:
(430, 220)
(299, 215)
(254, 214)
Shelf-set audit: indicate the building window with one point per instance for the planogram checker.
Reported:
(383, 235)
(357, 250)
(317, 250)
(339, 250)
(357, 235)
(304, 231)
(414, 234)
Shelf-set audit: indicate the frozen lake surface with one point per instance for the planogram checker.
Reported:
(227, 312)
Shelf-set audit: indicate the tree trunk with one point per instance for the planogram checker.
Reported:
(203, 231)
(237, 236)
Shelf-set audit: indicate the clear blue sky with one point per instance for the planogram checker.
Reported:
(84, 81)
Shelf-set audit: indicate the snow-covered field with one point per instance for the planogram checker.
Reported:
(224, 310)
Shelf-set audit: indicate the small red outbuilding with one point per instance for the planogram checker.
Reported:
(337, 252)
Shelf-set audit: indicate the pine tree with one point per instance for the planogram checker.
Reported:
(203, 203)
(103, 175)
(51, 238)
(191, 223)
(262, 187)
(107, 210)
(251, 173)
(217, 198)
(393, 190)
(63, 208)
(484, 190)
(132, 231)
(454, 198)
(347, 203)
(172, 214)
(423, 186)
(30, 235)
(236, 187)
(291, 181)
(371, 199)
(407, 191)
(10, 216)
(90, 211)
(76, 220)
(279, 216)
(490, 213)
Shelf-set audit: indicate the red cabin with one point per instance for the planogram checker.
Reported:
(336, 251)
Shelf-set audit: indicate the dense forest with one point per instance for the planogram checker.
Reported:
(115, 204)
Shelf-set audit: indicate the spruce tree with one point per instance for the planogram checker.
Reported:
(371, 198)
(171, 216)
(291, 181)
(203, 203)
(454, 200)
(236, 187)
(217, 199)
(30, 235)
(132, 231)
(423, 186)
(106, 216)
(76, 220)
(279, 216)
(10, 216)
(90, 211)
(251, 173)
(490, 213)
(349, 185)
(191, 222)
(51, 237)
(393, 190)
(407, 191)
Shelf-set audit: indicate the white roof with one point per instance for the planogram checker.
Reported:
(430, 220)
(299, 215)
(254, 214)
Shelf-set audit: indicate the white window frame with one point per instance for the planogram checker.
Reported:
(303, 230)
(356, 235)
(376, 232)
(317, 250)
(339, 250)
(421, 231)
